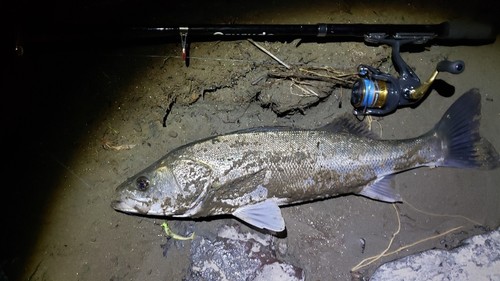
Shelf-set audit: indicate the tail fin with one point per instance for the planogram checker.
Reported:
(459, 131)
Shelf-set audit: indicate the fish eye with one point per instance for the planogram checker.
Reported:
(142, 183)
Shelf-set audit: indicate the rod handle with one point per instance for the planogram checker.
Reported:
(468, 31)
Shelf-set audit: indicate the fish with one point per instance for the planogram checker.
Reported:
(251, 173)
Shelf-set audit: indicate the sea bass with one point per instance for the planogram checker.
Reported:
(250, 173)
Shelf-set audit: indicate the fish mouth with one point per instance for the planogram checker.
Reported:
(130, 206)
(117, 205)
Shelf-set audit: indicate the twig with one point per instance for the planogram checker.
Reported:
(109, 146)
(302, 74)
(307, 92)
(269, 53)
(337, 77)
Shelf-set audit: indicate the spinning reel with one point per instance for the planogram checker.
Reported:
(378, 93)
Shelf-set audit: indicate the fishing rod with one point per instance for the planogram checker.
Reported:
(374, 93)
(450, 32)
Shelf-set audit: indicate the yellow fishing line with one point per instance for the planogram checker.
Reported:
(372, 259)
(442, 215)
(385, 253)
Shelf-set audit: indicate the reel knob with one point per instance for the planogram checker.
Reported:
(453, 67)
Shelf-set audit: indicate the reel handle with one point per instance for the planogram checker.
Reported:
(453, 67)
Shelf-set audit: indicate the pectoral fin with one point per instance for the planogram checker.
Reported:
(265, 214)
(381, 189)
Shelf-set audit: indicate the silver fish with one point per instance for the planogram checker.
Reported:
(250, 173)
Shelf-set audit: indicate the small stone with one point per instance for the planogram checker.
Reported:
(282, 247)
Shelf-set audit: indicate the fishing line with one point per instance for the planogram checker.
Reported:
(372, 259)
(192, 57)
(67, 168)
(385, 253)
(442, 215)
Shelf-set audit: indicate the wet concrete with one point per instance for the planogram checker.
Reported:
(477, 258)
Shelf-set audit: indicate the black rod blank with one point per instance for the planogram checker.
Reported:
(453, 33)
(443, 31)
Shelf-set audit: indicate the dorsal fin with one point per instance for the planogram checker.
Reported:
(346, 123)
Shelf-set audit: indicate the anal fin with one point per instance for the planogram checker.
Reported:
(382, 189)
(264, 215)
